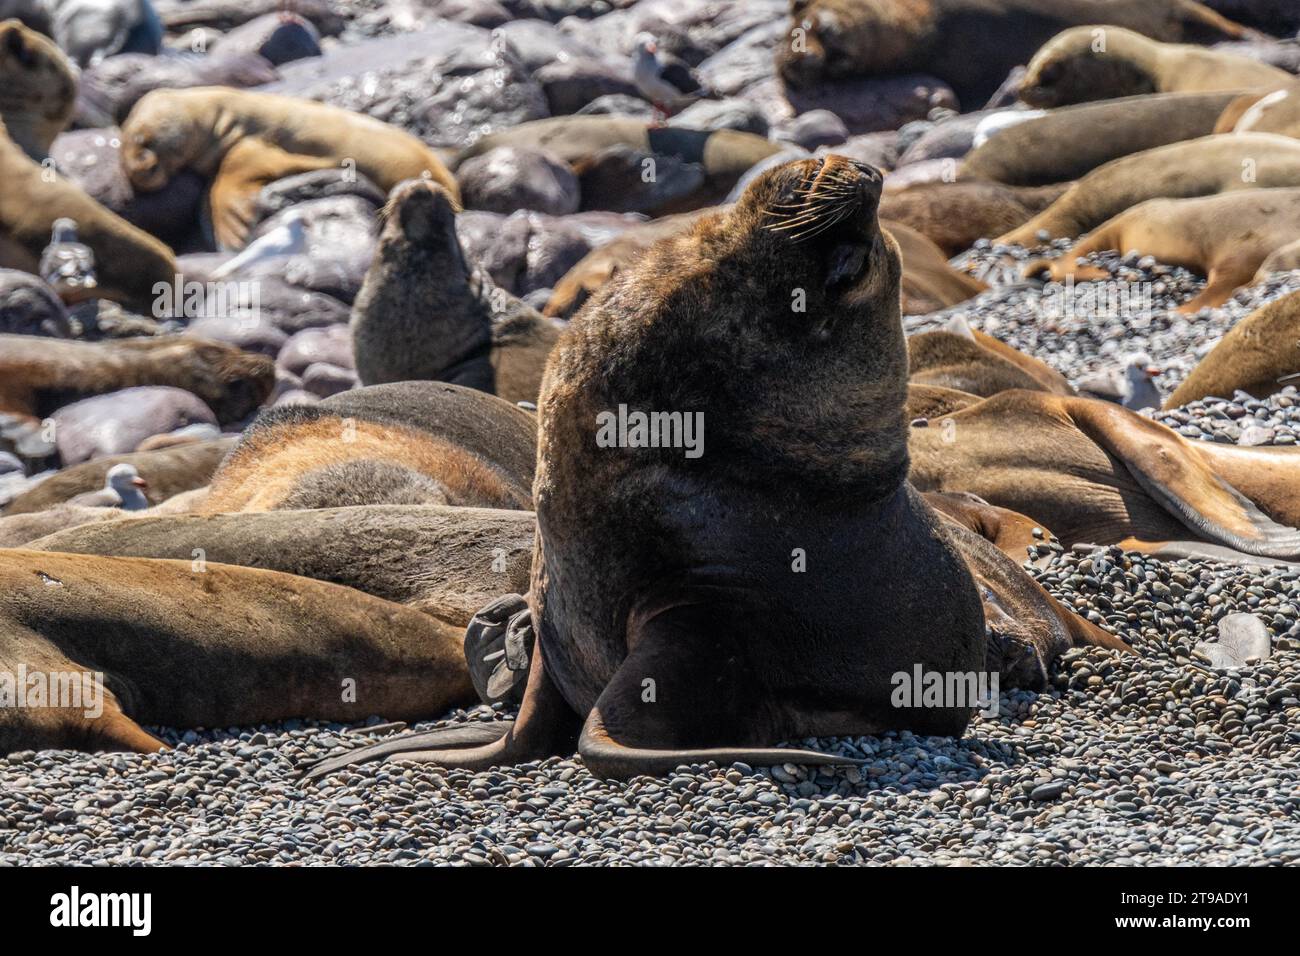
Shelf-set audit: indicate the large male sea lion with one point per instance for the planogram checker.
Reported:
(207, 645)
(675, 620)
(38, 375)
(1098, 473)
(240, 141)
(1070, 142)
(830, 39)
(425, 312)
(1097, 63)
(1198, 167)
(1226, 238)
(129, 263)
(38, 88)
(401, 443)
(1260, 355)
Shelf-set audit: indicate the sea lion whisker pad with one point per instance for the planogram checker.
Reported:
(670, 624)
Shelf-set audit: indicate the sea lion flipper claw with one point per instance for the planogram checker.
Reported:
(498, 644)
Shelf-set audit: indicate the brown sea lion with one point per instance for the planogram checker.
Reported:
(38, 375)
(831, 39)
(1097, 473)
(1260, 355)
(240, 141)
(129, 263)
(1009, 531)
(675, 621)
(186, 645)
(1266, 111)
(723, 155)
(1065, 144)
(928, 282)
(1102, 62)
(448, 562)
(954, 215)
(1198, 167)
(38, 88)
(1225, 238)
(401, 443)
(425, 312)
(972, 362)
(169, 471)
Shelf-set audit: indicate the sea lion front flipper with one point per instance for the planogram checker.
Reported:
(1164, 465)
(247, 167)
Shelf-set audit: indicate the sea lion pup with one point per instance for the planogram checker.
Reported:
(401, 443)
(961, 358)
(954, 215)
(724, 155)
(38, 375)
(240, 141)
(1103, 62)
(1225, 238)
(129, 263)
(1097, 473)
(1064, 144)
(38, 89)
(667, 576)
(1199, 167)
(424, 312)
(448, 562)
(928, 282)
(210, 646)
(170, 472)
(834, 39)
(1260, 355)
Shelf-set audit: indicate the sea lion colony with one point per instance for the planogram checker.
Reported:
(394, 366)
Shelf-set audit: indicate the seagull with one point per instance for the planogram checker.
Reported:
(662, 78)
(1133, 386)
(122, 489)
(287, 239)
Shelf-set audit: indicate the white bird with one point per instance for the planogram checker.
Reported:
(289, 238)
(662, 78)
(1133, 386)
(122, 489)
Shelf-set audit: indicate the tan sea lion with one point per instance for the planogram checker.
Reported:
(1260, 355)
(38, 375)
(240, 141)
(425, 312)
(1068, 143)
(38, 88)
(1198, 167)
(448, 562)
(954, 215)
(833, 39)
(1266, 111)
(723, 155)
(674, 617)
(129, 263)
(207, 646)
(401, 443)
(928, 282)
(169, 471)
(1097, 473)
(1009, 531)
(1102, 62)
(972, 362)
(1225, 238)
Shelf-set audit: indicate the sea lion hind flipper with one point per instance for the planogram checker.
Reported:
(1167, 469)
(460, 735)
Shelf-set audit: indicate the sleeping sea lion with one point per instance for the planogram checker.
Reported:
(704, 607)
(240, 141)
(954, 215)
(38, 89)
(961, 358)
(401, 443)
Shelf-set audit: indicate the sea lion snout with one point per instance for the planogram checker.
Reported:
(422, 209)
